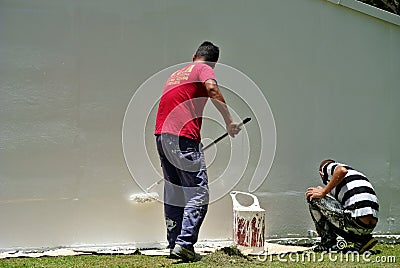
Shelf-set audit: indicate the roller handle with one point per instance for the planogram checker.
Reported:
(151, 187)
(225, 134)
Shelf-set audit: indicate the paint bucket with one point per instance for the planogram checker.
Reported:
(248, 225)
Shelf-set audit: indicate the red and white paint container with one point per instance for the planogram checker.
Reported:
(248, 225)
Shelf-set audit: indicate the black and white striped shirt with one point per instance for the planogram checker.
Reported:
(355, 192)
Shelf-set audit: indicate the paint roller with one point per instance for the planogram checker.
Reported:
(149, 196)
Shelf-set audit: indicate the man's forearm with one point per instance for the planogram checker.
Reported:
(337, 178)
(223, 109)
(218, 100)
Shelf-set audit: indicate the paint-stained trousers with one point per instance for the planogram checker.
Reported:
(186, 193)
(330, 220)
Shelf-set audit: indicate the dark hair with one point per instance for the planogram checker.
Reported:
(208, 51)
(324, 162)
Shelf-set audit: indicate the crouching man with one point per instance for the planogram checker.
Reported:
(350, 210)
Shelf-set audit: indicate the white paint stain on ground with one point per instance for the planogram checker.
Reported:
(203, 249)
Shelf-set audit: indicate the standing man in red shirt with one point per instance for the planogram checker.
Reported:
(178, 125)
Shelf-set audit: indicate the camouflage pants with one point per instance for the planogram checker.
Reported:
(331, 220)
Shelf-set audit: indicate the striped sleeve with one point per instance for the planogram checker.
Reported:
(355, 192)
(328, 170)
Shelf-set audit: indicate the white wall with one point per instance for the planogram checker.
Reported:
(68, 70)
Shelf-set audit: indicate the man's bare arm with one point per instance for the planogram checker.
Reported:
(337, 177)
(219, 102)
(319, 192)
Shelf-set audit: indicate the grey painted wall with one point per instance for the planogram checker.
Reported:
(68, 70)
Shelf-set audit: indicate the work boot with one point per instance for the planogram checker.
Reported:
(328, 247)
(365, 245)
(171, 256)
(185, 254)
(327, 244)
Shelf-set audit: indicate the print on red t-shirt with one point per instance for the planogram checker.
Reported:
(182, 103)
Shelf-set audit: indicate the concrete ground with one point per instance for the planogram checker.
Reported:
(269, 249)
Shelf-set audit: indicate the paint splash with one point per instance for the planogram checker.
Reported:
(249, 228)
(144, 197)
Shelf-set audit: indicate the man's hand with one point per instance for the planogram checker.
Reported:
(315, 192)
(233, 129)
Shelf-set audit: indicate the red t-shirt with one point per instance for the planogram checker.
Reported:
(182, 103)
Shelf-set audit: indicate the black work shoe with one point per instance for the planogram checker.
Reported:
(185, 254)
(327, 248)
(171, 256)
(363, 246)
(321, 248)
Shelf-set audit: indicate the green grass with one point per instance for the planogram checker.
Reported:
(389, 253)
